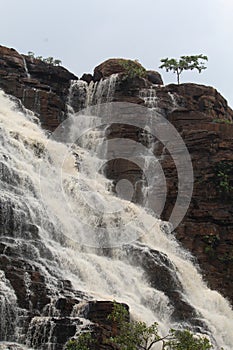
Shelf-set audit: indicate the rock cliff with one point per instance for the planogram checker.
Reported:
(204, 120)
(42, 88)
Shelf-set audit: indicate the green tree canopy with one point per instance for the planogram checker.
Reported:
(136, 335)
(184, 63)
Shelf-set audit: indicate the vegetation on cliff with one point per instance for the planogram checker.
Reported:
(224, 170)
(136, 335)
(48, 60)
(132, 69)
(184, 63)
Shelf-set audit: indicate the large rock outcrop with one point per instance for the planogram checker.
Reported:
(123, 66)
(42, 88)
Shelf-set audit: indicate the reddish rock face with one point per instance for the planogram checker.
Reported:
(204, 120)
(42, 88)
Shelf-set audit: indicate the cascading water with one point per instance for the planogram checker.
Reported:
(150, 161)
(26, 68)
(63, 239)
(157, 150)
(149, 97)
(82, 94)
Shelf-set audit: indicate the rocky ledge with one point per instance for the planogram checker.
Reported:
(41, 87)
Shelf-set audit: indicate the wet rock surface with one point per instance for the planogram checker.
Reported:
(41, 87)
(204, 120)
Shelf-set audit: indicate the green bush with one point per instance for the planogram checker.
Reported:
(84, 342)
(224, 171)
(132, 69)
(136, 335)
(226, 257)
(212, 241)
(48, 60)
(222, 121)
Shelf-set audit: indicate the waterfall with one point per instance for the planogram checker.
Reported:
(157, 150)
(26, 68)
(81, 94)
(58, 213)
(152, 160)
(149, 97)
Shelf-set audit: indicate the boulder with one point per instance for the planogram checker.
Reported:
(108, 67)
(154, 77)
(87, 77)
(113, 66)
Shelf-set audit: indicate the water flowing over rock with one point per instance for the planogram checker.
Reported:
(203, 118)
(41, 87)
(55, 246)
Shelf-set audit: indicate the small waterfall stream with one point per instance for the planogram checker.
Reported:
(82, 94)
(59, 223)
(26, 68)
(149, 97)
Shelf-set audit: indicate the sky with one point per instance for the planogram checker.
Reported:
(84, 33)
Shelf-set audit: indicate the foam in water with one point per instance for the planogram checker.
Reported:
(65, 215)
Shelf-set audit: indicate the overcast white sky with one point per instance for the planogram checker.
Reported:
(83, 33)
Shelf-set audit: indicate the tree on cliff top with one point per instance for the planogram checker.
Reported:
(184, 63)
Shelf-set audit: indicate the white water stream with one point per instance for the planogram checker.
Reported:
(65, 214)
